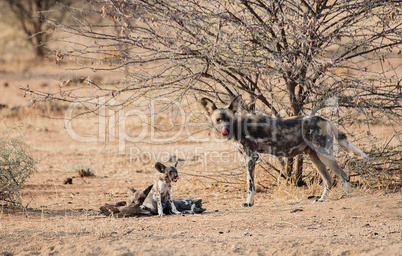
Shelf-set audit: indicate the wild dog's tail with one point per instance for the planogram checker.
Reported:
(346, 145)
(349, 147)
(340, 137)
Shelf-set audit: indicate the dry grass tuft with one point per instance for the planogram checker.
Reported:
(383, 170)
(84, 170)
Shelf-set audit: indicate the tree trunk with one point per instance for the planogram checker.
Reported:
(40, 49)
(294, 172)
(297, 169)
(289, 168)
(298, 178)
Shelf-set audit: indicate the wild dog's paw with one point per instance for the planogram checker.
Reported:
(247, 204)
(199, 210)
(187, 212)
(346, 186)
(319, 200)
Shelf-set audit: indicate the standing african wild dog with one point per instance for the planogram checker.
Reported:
(283, 137)
(160, 196)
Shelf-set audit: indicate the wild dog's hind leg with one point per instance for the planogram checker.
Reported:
(333, 165)
(251, 159)
(322, 169)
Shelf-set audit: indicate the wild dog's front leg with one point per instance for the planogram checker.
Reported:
(159, 204)
(174, 209)
(251, 159)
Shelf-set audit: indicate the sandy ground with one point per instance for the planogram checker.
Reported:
(357, 225)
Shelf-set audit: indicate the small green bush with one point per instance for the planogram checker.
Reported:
(16, 165)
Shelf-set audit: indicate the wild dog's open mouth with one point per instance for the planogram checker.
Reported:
(224, 131)
(175, 179)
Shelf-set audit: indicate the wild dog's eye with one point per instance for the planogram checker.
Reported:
(218, 119)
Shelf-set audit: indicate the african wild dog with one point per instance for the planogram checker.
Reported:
(160, 196)
(130, 208)
(133, 206)
(283, 137)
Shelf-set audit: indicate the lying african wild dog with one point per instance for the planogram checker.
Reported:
(287, 137)
(160, 196)
(133, 206)
(129, 208)
(155, 199)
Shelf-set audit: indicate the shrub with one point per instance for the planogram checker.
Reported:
(16, 165)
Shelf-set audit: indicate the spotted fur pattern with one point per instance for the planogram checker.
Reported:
(282, 137)
(160, 196)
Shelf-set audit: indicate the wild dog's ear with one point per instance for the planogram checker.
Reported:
(175, 165)
(235, 104)
(160, 167)
(208, 105)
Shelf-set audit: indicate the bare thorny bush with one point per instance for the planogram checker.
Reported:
(16, 165)
(339, 59)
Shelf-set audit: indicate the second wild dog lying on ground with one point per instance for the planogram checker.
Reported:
(154, 198)
(129, 208)
(132, 207)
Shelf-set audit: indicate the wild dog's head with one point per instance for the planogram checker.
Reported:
(169, 173)
(222, 118)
